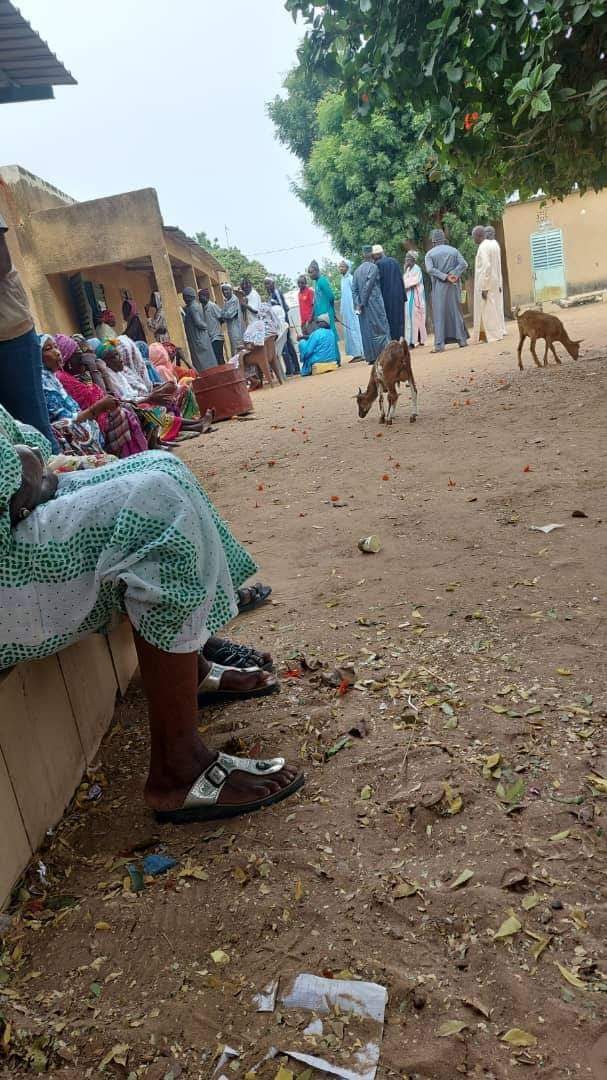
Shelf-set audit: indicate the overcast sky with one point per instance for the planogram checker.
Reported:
(171, 96)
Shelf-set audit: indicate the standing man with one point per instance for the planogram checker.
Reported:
(212, 316)
(20, 355)
(349, 319)
(324, 301)
(496, 259)
(392, 290)
(230, 315)
(196, 331)
(369, 306)
(486, 291)
(445, 266)
(277, 297)
(250, 301)
(306, 300)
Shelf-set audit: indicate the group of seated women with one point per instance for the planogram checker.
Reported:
(117, 397)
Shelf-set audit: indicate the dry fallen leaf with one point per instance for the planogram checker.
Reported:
(474, 1003)
(102, 926)
(571, 977)
(543, 941)
(118, 1053)
(451, 1027)
(299, 891)
(531, 901)
(560, 835)
(462, 879)
(218, 956)
(510, 926)
(518, 1037)
(405, 888)
(565, 672)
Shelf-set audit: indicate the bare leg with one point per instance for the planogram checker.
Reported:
(520, 349)
(177, 754)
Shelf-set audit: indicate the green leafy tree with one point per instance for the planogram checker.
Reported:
(515, 90)
(238, 265)
(376, 181)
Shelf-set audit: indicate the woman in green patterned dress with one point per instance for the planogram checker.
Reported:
(140, 537)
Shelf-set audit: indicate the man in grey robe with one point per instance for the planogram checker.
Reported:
(212, 317)
(445, 266)
(230, 315)
(196, 331)
(369, 306)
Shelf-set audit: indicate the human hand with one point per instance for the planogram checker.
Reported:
(37, 484)
(452, 278)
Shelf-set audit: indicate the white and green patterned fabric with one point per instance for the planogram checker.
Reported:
(139, 536)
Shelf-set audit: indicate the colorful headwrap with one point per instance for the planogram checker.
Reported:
(158, 353)
(66, 345)
(105, 315)
(107, 346)
(43, 338)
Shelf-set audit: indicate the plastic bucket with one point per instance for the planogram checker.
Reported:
(223, 388)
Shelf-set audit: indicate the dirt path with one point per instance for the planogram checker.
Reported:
(477, 718)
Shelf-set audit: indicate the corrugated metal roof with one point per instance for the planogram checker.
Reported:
(27, 65)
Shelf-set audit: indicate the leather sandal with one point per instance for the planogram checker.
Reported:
(210, 692)
(202, 801)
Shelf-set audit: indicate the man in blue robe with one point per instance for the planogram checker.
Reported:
(392, 290)
(369, 306)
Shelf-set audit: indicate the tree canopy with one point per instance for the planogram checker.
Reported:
(238, 265)
(515, 91)
(374, 180)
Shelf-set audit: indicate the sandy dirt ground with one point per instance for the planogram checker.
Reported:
(449, 843)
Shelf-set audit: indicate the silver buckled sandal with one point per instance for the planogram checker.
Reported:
(202, 801)
(210, 691)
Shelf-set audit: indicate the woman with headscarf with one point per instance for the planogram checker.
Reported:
(349, 319)
(160, 357)
(106, 327)
(415, 302)
(144, 351)
(156, 319)
(75, 429)
(324, 302)
(133, 325)
(122, 433)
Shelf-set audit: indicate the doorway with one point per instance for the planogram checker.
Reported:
(548, 265)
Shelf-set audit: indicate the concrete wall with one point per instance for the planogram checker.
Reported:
(55, 713)
(583, 220)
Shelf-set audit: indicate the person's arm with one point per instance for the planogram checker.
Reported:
(6, 263)
(483, 270)
(460, 267)
(432, 270)
(197, 318)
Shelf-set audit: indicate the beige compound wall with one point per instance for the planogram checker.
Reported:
(583, 220)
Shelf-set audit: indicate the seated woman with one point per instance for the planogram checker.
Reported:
(75, 429)
(81, 547)
(317, 344)
(122, 433)
(144, 352)
(161, 358)
(156, 408)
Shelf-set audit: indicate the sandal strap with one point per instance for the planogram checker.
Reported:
(205, 791)
(228, 652)
(211, 683)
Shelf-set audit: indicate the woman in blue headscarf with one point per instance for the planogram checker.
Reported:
(349, 319)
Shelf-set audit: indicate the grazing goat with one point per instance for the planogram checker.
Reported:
(534, 325)
(392, 367)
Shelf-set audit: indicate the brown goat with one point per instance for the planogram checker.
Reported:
(392, 367)
(534, 325)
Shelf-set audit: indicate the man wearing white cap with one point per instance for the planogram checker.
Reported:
(392, 290)
(230, 315)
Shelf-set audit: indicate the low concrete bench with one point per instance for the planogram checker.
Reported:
(53, 716)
